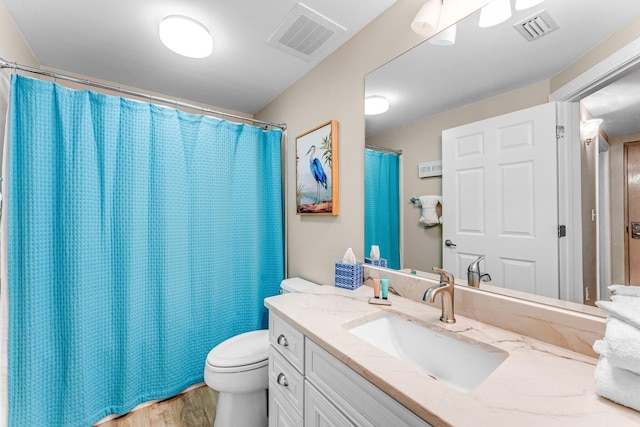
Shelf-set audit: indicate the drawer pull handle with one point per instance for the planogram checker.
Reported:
(282, 340)
(282, 380)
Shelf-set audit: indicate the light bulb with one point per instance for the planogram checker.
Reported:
(495, 13)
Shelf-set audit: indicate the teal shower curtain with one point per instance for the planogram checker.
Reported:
(139, 238)
(382, 205)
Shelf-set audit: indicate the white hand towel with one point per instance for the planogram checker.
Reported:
(618, 385)
(626, 310)
(629, 291)
(621, 345)
(429, 213)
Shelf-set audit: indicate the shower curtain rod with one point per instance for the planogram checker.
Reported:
(56, 75)
(383, 149)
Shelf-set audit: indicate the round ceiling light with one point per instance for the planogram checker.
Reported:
(375, 105)
(186, 36)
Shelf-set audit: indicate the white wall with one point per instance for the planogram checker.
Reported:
(335, 90)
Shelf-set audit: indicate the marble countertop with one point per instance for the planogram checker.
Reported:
(538, 384)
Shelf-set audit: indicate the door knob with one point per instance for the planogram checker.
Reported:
(448, 243)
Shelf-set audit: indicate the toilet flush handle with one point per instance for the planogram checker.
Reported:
(282, 340)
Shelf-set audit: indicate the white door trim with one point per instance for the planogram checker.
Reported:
(598, 76)
(569, 203)
(601, 74)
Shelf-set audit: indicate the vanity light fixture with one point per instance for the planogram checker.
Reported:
(589, 129)
(375, 105)
(446, 37)
(186, 36)
(426, 21)
(526, 4)
(495, 13)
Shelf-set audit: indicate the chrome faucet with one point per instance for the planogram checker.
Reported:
(445, 289)
(474, 277)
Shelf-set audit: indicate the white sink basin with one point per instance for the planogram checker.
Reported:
(460, 365)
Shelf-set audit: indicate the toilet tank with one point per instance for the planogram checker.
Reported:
(295, 284)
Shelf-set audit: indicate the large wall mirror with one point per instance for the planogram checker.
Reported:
(440, 87)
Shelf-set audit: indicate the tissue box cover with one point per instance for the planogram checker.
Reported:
(382, 262)
(348, 276)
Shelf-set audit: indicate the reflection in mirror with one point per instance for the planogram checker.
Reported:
(382, 202)
(490, 72)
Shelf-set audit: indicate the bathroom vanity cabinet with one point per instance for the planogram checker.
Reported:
(322, 373)
(310, 387)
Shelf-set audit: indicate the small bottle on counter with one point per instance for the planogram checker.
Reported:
(384, 285)
(376, 287)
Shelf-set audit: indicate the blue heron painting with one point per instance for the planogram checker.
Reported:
(317, 171)
(316, 183)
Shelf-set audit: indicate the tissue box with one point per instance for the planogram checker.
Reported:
(349, 276)
(377, 262)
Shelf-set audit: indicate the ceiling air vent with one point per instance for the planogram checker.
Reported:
(303, 32)
(536, 26)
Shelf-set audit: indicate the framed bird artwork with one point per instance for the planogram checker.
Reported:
(317, 170)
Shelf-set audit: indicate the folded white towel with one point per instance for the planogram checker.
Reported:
(621, 345)
(627, 310)
(429, 213)
(627, 298)
(618, 385)
(630, 291)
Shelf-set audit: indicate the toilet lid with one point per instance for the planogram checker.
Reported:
(242, 350)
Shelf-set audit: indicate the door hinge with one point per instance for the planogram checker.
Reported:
(562, 231)
(559, 132)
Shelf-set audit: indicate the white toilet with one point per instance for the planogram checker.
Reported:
(238, 369)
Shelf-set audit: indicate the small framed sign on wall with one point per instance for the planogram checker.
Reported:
(317, 170)
(428, 169)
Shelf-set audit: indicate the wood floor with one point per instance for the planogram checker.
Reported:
(195, 408)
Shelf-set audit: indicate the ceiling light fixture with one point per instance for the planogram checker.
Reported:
(526, 4)
(446, 37)
(589, 129)
(495, 13)
(186, 36)
(426, 21)
(375, 105)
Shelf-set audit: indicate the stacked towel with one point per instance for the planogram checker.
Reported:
(617, 375)
(617, 384)
(429, 213)
(631, 291)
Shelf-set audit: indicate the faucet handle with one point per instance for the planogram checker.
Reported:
(445, 276)
(474, 267)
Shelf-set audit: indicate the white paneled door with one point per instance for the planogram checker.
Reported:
(499, 188)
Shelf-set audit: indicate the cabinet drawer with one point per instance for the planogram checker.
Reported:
(339, 383)
(284, 378)
(287, 340)
(281, 412)
(319, 412)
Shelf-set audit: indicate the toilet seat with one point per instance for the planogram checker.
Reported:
(243, 352)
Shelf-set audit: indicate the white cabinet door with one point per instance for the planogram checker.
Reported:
(499, 188)
(281, 412)
(319, 412)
